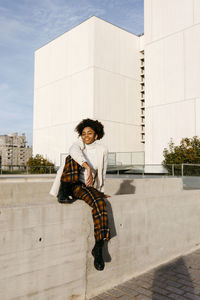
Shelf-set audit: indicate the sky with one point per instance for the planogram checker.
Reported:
(25, 26)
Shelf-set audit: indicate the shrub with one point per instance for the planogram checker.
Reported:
(188, 152)
(40, 165)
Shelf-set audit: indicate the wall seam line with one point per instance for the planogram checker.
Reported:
(171, 34)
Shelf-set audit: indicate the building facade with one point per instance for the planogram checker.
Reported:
(92, 71)
(172, 72)
(144, 89)
(13, 150)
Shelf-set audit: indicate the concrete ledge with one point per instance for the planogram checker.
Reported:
(150, 186)
(22, 193)
(27, 178)
(45, 247)
(35, 189)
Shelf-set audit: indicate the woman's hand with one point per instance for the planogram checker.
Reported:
(89, 180)
(107, 196)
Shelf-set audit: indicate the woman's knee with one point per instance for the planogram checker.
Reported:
(102, 203)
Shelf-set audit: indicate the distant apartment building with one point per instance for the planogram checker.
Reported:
(13, 150)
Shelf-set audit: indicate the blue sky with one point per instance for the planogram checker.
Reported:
(25, 26)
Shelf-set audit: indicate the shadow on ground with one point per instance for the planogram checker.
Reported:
(169, 279)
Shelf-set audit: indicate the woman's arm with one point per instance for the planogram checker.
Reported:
(76, 153)
(105, 161)
(89, 180)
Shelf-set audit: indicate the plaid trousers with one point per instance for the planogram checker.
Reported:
(95, 199)
(71, 170)
(91, 196)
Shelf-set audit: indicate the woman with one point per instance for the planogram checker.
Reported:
(88, 158)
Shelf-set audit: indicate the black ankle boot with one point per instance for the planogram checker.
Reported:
(64, 193)
(97, 253)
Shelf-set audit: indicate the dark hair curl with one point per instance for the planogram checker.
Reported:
(95, 125)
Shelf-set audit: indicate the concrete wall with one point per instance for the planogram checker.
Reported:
(45, 247)
(172, 92)
(91, 71)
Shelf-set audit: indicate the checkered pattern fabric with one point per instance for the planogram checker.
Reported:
(95, 199)
(90, 195)
(71, 170)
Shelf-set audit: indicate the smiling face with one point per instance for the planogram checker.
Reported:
(88, 135)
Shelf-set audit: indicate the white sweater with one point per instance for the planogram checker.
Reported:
(90, 155)
(78, 152)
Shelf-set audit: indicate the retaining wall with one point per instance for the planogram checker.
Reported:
(45, 247)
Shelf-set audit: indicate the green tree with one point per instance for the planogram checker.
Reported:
(40, 165)
(188, 152)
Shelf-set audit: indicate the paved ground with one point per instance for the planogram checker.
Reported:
(179, 279)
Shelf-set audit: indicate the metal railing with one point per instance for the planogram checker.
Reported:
(174, 170)
(125, 158)
(116, 158)
(115, 169)
(25, 170)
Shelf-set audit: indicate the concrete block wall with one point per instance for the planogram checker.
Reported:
(45, 247)
(42, 253)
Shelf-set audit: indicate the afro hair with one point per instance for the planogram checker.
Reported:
(95, 125)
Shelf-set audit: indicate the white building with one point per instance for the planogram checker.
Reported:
(172, 74)
(90, 71)
(100, 71)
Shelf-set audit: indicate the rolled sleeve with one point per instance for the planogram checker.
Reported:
(105, 162)
(76, 153)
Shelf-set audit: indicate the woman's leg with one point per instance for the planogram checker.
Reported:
(95, 199)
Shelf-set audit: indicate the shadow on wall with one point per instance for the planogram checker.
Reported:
(168, 279)
(126, 187)
(113, 232)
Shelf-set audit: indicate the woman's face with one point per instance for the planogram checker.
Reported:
(88, 135)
